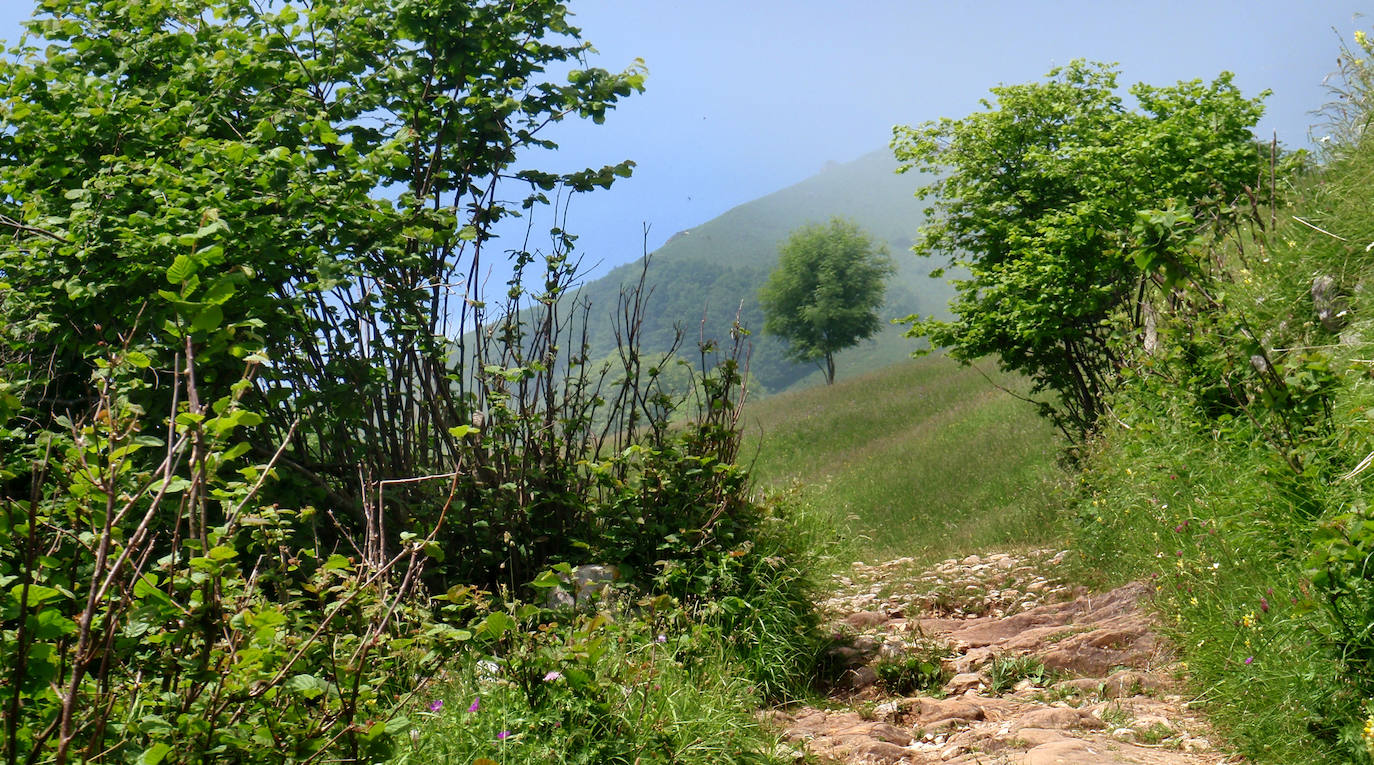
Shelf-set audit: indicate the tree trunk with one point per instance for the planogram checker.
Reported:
(829, 369)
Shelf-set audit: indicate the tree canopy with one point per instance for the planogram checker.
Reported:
(825, 293)
(315, 183)
(1037, 197)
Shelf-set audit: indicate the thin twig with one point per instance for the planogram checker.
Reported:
(234, 515)
(6, 220)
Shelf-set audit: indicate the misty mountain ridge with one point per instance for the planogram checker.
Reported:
(715, 269)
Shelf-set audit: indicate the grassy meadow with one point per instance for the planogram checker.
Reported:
(925, 458)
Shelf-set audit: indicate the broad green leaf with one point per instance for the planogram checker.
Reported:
(209, 318)
(154, 754)
(546, 579)
(219, 291)
(38, 594)
(181, 269)
(307, 686)
(462, 431)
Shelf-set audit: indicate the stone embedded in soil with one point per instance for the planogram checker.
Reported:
(926, 711)
(1066, 752)
(962, 682)
(1058, 718)
(860, 678)
(1036, 736)
(867, 619)
(846, 736)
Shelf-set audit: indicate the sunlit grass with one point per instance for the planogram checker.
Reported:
(926, 458)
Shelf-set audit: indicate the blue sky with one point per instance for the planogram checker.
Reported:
(746, 97)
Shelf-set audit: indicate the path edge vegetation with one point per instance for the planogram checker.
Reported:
(1210, 370)
(277, 484)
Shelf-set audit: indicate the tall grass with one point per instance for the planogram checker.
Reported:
(925, 458)
(1255, 535)
(643, 697)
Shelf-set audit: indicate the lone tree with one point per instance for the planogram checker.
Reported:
(825, 293)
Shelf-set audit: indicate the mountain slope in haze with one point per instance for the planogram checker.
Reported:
(715, 269)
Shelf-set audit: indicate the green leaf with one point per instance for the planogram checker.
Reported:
(49, 624)
(181, 269)
(38, 594)
(307, 686)
(546, 580)
(154, 754)
(138, 359)
(209, 318)
(219, 291)
(495, 625)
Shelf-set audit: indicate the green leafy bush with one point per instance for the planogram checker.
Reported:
(156, 611)
(1233, 477)
(920, 669)
(600, 688)
(246, 515)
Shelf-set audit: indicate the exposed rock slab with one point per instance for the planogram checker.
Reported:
(1108, 692)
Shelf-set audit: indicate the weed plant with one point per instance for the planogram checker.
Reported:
(1004, 672)
(247, 516)
(767, 620)
(920, 669)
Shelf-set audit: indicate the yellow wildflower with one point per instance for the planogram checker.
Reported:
(1368, 734)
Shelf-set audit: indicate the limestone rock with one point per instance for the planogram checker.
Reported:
(866, 619)
(1059, 718)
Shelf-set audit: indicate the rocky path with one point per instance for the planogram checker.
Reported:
(1012, 666)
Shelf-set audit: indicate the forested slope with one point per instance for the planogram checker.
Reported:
(715, 269)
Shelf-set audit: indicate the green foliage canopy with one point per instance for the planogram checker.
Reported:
(1037, 196)
(825, 293)
(319, 178)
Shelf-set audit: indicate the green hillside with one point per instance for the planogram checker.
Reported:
(713, 269)
(925, 458)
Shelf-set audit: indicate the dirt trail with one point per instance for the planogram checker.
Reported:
(1038, 673)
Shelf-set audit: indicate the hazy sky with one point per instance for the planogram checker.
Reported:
(747, 96)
